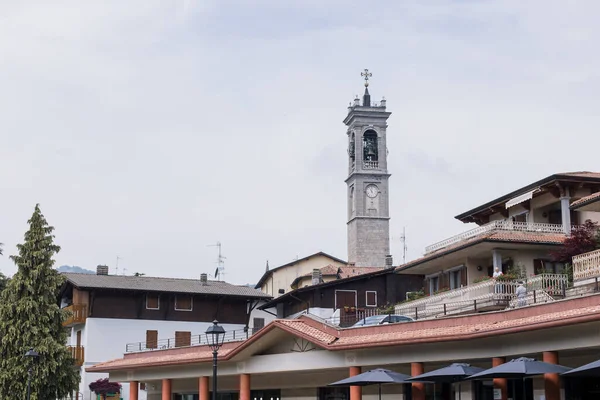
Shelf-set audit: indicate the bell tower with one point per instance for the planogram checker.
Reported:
(368, 196)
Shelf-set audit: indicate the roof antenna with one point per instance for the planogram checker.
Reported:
(117, 265)
(220, 271)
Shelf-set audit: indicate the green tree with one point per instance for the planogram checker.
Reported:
(3, 282)
(30, 317)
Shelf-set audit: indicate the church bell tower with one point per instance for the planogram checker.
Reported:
(368, 195)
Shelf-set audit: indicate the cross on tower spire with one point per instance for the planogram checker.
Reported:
(367, 75)
(366, 96)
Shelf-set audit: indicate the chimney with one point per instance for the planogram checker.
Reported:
(316, 276)
(102, 270)
(204, 279)
(388, 261)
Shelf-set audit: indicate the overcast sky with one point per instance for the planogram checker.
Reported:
(151, 129)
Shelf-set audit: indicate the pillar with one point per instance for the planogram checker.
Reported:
(133, 390)
(203, 390)
(500, 383)
(418, 389)
(245, 387)
(355, 391)
(551, 381)
(566, 213)
(166, 389)
(497, 259)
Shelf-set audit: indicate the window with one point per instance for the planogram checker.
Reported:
(257, 324)
(183, 302)
(345, 298)
(521, 217)
(371, 298)
(548, 267)
(183, 339)
(151, 339)
(370, 150)
(152, 301)
(455, 279)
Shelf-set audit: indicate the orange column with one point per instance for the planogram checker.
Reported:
(166, 389)
(418, 389)
(245, 387)
(133, 390)
(203, 390)
(500, 383)
(551, 381)
(355, 391)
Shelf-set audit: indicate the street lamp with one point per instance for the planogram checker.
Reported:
(215, 335)
(33, 354)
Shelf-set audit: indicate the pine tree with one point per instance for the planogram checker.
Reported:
(30, 317)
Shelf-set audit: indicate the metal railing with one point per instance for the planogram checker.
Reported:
(350, 318)
(586, 265)
(504, 225)
(195, 340)
(76, 314)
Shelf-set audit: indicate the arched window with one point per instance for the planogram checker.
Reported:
(351, 147)
(370, 150)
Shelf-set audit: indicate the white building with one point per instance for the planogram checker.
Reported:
(115, 314)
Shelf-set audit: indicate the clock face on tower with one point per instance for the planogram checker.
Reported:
(372, 191)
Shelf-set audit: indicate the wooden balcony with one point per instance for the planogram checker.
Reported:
(78, 353)
(77, 314)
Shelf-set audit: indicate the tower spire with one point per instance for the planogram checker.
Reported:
(366, 97)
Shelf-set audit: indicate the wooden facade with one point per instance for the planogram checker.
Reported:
(377, 290)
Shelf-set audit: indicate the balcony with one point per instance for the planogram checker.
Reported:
(370, 164)
(496, 226)
(489, 295)
(77, 314)
(586, 266)
(78, 353)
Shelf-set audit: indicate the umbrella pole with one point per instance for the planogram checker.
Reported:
(459, 392)
(380, 391)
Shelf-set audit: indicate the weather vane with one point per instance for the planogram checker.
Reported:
(367, 75)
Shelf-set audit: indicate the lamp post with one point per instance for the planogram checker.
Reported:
(33, 354)
(215, 335)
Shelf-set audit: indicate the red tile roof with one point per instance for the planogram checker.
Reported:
(340, 272)
(555, 314)
(586, 200)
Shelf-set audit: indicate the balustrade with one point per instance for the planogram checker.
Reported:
(370, 164)
(586, 266)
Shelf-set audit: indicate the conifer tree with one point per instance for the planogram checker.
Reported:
(30, 317)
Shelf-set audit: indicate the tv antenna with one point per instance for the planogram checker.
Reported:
(220, 271)
(404, 247)
(117, 265)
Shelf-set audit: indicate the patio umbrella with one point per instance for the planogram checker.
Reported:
(591, 369)
(377, 376)
(452, 373)
(520, 368)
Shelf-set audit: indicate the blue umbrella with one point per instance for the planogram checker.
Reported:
(591, 369)
(452, 373)
(520, 368)
(377, 376)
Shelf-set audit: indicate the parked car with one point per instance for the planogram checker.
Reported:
(382, 319)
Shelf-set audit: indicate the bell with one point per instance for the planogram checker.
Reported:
(370, 152)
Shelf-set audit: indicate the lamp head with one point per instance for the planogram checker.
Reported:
(215, 335)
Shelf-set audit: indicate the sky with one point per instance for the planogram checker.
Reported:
(151, 129)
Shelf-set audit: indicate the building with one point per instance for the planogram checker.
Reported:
(368, 189)
(516, 234)
(277, 281)
(112, 314)
(297, 359)
(354, 293)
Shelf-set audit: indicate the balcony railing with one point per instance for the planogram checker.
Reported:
(77, 314)
(195, 340)
(78, 353)
(370, 164)
(497, 293)
(586, 266)
(497, 226)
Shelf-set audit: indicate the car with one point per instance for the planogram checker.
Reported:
(382, 319)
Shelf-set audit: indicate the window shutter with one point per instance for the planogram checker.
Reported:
(371, 299)
(151, 339)
(183, 302)
(183, 339)
(538, 266)
(463, 277)
(152, 301)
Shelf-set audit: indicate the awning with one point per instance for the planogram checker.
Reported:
(520, 199)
